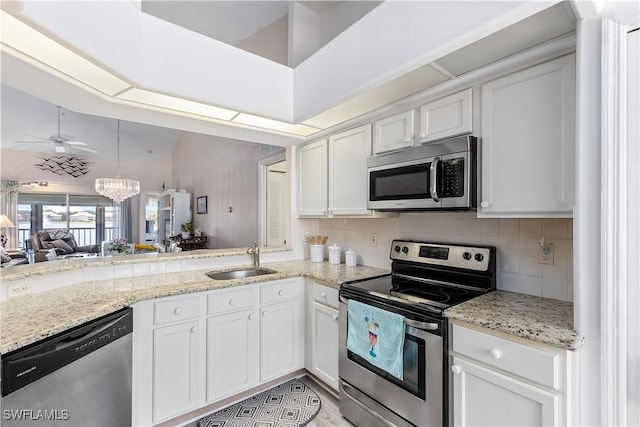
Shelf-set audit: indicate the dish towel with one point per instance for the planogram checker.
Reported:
(377, 336)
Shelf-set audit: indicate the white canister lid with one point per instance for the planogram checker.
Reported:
(334, 247)
(350, 252)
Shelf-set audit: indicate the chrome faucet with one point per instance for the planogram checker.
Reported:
(255, 251)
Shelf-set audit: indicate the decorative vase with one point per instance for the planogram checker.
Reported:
(186, 234)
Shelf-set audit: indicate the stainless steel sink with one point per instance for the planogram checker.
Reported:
(240, 273)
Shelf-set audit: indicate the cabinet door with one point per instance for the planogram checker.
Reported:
(312, 184)
(324, 336)
(280, 340)
(446, 117)
(393, 133)
(484, 397)
(231, 354)
(175, 369)
(348, 183)
(528, 121)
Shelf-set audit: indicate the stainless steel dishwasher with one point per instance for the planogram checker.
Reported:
(80, 377)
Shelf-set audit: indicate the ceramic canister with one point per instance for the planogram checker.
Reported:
(316, 253)
(351, 258)
(334, 254)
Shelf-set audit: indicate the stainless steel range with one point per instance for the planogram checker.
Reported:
(426, 279)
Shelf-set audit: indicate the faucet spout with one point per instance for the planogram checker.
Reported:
(255, 251)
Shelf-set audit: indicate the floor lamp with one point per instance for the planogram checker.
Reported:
(5, 222)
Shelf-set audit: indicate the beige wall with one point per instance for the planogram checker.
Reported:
(226, 172)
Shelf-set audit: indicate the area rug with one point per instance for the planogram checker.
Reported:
(291, 404)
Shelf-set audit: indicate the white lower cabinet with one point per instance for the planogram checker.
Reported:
(279, 339)
(231, 353)
(325, 343)
(322, 330)
(500, 381)
(484, 397)
(176, 369)
(195, 350)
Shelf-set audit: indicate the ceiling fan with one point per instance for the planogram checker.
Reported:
(59, 142)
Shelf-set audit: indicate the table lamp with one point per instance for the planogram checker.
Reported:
(5, 222)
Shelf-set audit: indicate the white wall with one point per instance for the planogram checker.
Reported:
(226, 171)
(516, 240)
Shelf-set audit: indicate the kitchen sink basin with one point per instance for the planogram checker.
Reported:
(240, 273)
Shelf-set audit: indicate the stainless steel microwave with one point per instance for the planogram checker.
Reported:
(440, 175)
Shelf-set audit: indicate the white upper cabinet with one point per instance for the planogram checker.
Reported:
(332, 178)
(393, 133)
(312, 179)
(528, 121)
(446, 117)
(348, 152)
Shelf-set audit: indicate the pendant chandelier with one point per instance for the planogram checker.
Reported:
(117, 189)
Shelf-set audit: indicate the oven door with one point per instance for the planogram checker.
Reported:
(370, 396)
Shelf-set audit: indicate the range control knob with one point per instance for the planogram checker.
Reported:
(396, 248)
(405, 249)
(479, 257)
(466, 256)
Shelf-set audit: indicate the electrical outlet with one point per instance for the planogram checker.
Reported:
(305, 234)
(545, 256)
(373, 239)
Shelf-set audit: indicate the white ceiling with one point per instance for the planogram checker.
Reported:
(24, 114)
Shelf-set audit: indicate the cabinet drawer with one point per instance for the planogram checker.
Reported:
(325, 295)
(527, 362)
(280, 291)
(221, 302)
(175, 310)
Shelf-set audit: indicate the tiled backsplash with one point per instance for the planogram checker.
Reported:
(516, 239)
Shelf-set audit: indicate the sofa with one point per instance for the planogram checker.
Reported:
(60, 242)
(11, 258)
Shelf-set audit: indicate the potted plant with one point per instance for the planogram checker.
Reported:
(187, 229)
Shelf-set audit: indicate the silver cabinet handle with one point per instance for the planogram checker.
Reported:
(231, 301)
(456, 369)
(177, 311)
(264, 314)
(280, 292)
(251, 316)
(495, 353)
(484, 204)
(433, 178)
(194, 329)
(335, 317)
(427, 326)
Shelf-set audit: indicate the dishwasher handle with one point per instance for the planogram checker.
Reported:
(27, 365)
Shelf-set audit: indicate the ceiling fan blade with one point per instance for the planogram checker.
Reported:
(75, 143)
(38, 137)
(32, 142)
(90, 150)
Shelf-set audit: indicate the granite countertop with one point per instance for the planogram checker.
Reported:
(30, 318)
(534, 318)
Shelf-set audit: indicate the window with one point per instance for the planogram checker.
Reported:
(89, 218)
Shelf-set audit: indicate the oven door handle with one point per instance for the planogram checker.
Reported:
(382, 419)
(425, 326)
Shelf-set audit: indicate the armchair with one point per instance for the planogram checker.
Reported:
(62, 241)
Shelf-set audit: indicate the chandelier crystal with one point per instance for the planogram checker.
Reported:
(117, 189)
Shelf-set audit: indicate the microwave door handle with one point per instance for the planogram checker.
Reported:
(433, 179)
